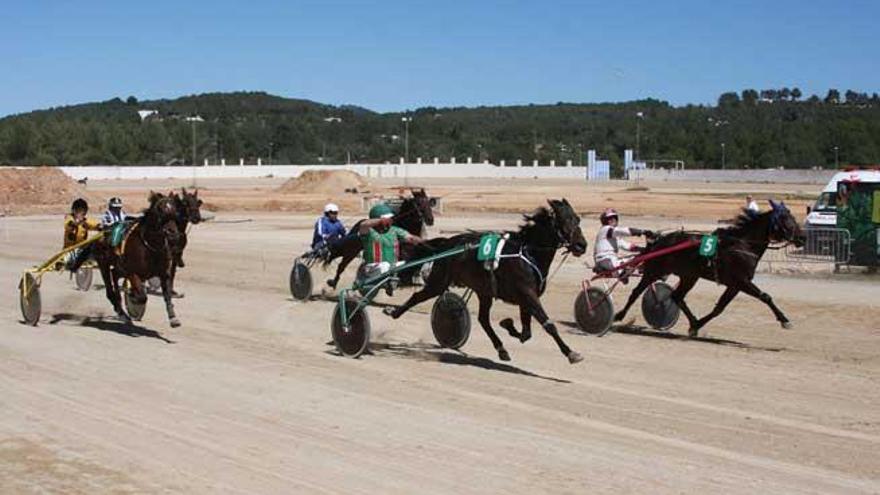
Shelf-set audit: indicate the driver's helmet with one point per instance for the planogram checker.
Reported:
(79, 204)
(607, 215)
(331, 208)
(115, 202)
(381, 210)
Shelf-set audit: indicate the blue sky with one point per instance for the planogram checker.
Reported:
(397, 55)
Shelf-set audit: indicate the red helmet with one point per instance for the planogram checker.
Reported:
(607, 215)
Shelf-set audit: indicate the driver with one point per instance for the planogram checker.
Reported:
(381, 241)
(611, 238)
(76, 229)
(328, 229)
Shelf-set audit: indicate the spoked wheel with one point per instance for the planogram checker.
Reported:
(300, 281)
(29, 299)
(450, 320)
(351, 341)
(594, 317)
(83, 279)
(658, 308)
(134, 308)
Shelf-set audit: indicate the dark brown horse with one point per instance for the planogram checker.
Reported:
(147, 252)
(739, 251)
(521, 275)
(188, 206)
(414, 214)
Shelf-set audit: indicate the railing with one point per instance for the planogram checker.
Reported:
(823, 246)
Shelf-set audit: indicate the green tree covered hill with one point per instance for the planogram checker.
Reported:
(764, 128)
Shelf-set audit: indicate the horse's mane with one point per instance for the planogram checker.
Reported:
(540, 215)
(745, 220)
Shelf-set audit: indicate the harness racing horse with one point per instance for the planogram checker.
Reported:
(520, 278)
(740, 248)
(414, 214)
(188, 207)
(148, 251)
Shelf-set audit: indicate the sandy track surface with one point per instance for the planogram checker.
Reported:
(246, 396)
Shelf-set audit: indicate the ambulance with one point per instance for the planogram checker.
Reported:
(823, 213)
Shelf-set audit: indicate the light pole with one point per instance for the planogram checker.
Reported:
(193, 121)
(639, 117)
(723, 160)
(406, 121)
(836, 159)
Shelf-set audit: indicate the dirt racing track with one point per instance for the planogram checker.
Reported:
(247, 397)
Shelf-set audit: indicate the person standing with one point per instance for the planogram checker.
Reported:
(752, 205)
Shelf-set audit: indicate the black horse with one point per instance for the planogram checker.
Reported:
(740, 248)
(147, 252)
(520, 278)
(414, 214)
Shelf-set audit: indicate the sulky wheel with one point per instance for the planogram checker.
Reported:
(658, 308)
(29, 299)
(134, 308)
(300, 281)
(351, 341)
(595, 318)
(83, 279)
(450, 320)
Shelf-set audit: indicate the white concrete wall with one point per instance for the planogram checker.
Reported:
(711, 175)
(414, 170)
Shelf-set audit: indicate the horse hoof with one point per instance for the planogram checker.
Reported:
(331, 283)
(503, 355)
(524, 337)
(574, 357)
(389, 310)
(693, 332)
(124, 318)
(787, 325)
(618, 316)
(174, 322)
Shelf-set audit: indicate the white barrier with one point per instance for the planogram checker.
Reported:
(774, 176)
(413, 170)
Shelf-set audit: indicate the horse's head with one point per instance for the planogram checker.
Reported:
(424, 205)
(568, 226)
(189, 205)
(161, 213)
(783, 225)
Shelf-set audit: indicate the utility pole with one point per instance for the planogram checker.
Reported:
(406, 121)
(194, 142)
(836, 158)
(723, 161)
(639, 117)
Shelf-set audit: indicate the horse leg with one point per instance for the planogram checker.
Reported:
(436, 284)
(138, 291)
(526, 318)
(751, 289)
(685, 284)
(346, 259)
(483, 318)
(534, 307)
(722, 303)
(111, 287)
(167, 285)
(644, 283)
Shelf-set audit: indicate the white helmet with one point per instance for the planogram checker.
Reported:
(331, 208)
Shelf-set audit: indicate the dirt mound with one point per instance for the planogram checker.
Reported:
(324, 181)
(38, 189)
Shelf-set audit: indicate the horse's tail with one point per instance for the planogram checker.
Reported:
(336, 250)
